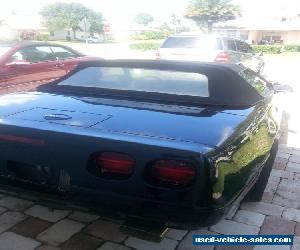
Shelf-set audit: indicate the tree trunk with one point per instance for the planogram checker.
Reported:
(74, 33)
(209, 27)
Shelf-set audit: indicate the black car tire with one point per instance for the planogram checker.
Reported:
(257, 190)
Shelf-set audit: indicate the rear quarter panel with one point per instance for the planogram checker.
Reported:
(237, 163)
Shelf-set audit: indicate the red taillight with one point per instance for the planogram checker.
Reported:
(115, 163)
(223, 57)
(157, 55)
(173, 172)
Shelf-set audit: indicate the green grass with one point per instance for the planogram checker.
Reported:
(145, 44)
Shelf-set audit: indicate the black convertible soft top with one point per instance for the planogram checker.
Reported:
(226, 86)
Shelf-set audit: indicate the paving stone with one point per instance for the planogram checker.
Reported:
(296, 245)
(293, 167)
(116, 220)
(46, 247)
(249, 218)
(187, 242)
(45, 213)
(283, 155)
(60, 232)
(83, 217)
(9, 219)
(112, 246)
(285, 202)
(284, 148)
(16, 204)
(297, 177)
(288, 194)
(290, 186)
(232, 227)
(295, 158)
(176, 234)
(291, 214)
(271, 187)
(139, 244)
(2, 210)
(274, 179)
(276, 225)
(296, 151)
(267, 197)
(81, 241)
(263, 208)
(280, 163)
(282, 174)
(106, 230)
(278, 247)
(31, 227)
(297, 229)
(12, 241)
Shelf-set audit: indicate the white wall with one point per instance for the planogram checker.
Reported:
(8, 34)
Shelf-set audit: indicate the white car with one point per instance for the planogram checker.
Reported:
(210, 48)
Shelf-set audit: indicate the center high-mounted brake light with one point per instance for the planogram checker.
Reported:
(115, 163)
(175, 172)
(222, 57)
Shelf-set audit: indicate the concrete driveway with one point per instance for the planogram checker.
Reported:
(26, 225)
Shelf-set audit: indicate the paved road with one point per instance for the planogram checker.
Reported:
(26, 225)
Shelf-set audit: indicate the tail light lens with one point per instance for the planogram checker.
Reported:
(157, 55)
(223, 57)
(173, 172)
(115, 164)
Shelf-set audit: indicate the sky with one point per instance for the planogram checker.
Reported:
(122, 12)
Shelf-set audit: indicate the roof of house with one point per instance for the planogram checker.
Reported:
(261, 24)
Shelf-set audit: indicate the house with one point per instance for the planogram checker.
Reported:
(275, 30)
(20, 26)
(17, 26)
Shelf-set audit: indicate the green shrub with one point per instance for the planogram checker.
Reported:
(152, 35)
(146, 45)
(43, 37)
(276, 49)
(291, 48)
(267, 49)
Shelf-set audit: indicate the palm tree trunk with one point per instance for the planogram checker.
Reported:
(209, 27)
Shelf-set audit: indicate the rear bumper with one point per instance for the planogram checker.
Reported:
(116, 206)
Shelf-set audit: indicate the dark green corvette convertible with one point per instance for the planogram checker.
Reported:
(177, 142)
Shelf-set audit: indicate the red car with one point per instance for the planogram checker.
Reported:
(35, 62)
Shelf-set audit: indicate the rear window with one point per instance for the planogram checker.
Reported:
(192, 42)
(137, 79)
(3, 50)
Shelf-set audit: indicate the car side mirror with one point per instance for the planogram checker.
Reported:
(282, 87)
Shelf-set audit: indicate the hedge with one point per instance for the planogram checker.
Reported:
(291, 48)
(146, 45)
(276, 49)
(152, 35)
(265, 49)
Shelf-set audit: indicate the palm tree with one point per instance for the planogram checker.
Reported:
(207, 12)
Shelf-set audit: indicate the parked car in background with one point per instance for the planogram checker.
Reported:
(210, 48)
(91, 39)
(27, 62)
(172, 142)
